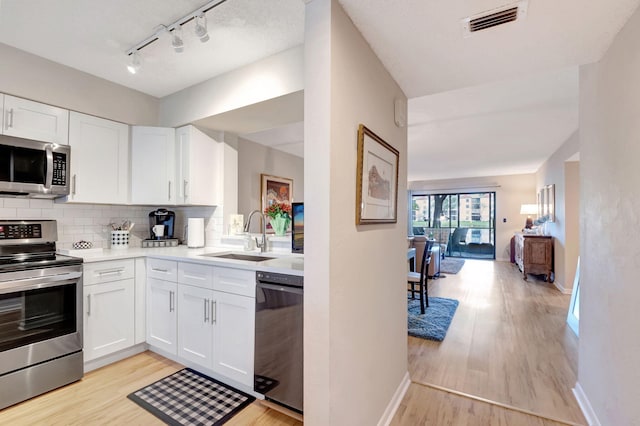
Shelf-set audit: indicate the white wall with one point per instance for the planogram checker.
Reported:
(254, 159)
(572, 220)
(511, 192)
(609, 346)
(552, 171)
(277, 75)
(32, 77)
(355, 291)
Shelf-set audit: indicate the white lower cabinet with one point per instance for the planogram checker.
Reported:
(233, 336)
(195, 326)
(109, 308)
(161, 315)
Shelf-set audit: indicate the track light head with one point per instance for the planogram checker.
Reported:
(176, 39)
(135, 63)
(200, 29)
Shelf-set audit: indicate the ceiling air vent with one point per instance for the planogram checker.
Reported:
(495, 17)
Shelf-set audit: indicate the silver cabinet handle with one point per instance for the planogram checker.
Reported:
(214, 311)
(88, 305)
(171, 301)
(206, 310)
(110, 271)
(160, 270)
(73, 185)
(9, 118)
(169, 190)
(184, 189)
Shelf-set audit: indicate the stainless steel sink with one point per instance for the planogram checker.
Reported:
(239, 256)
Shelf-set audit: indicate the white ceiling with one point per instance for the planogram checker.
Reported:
(93, 36)
(498, 102)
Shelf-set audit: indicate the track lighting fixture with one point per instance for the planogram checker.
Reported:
(199, 18)
(200, 29)
(176, 39)
(135, 63)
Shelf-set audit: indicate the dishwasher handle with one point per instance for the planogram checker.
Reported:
(281, 287)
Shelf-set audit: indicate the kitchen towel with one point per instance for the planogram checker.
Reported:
(195, 232)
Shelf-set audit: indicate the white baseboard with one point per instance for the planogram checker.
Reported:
(393, 405)
(561, 287)
(585, 406)
(114, 357)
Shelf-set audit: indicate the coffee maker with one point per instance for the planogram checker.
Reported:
(166, 219)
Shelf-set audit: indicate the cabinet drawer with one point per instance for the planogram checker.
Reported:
(195, 274)
(110, 270)
(166, 270)
(235, 281)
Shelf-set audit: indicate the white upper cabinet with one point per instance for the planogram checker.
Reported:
(99, 160)
(153, 165)
(198, 168)
(32, 120)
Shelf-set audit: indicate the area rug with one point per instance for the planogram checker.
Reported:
(433, 325)
(191, 398)
(451, 265)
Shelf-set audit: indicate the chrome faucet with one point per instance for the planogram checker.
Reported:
(262, 245)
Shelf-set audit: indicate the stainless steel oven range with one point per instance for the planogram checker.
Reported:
(40, 312)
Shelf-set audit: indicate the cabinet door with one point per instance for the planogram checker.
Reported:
(33, 120)
(153, 171)
(538, 252)
(233, 336)
(161, 315)
(108, 318)
(99, 160)
(199, 167)
(195, 327)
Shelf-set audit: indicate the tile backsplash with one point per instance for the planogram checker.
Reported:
(91, 222)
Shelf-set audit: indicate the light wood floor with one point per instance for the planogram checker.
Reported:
(508, 342)
(101, 399)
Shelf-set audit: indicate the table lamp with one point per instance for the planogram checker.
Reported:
(529, 209)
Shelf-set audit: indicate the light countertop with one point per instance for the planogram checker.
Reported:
(284, 263)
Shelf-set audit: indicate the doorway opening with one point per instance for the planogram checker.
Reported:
(462, 223)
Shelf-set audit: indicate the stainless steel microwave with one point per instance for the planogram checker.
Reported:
(33, 169)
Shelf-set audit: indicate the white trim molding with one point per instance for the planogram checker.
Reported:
(585, 406)
(393, 405)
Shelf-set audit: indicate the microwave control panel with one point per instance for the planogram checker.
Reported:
(59, 169)
(14, 232)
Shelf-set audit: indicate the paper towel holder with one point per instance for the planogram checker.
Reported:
(194, 231)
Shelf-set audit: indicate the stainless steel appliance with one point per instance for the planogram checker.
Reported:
(278, 365)
(40, 312)
(33, 169)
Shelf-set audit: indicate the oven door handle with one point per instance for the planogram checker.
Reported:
(40, 282)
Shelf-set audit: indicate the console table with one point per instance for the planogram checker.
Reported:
(534, 255)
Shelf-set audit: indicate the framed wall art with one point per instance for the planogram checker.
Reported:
(275, 189)
(377, 179)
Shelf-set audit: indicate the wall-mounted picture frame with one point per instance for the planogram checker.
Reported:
(551, 203)
(275, 189)
(377, 179)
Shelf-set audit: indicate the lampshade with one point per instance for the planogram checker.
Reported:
(528, 209)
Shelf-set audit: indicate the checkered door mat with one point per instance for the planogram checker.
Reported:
(191, 398)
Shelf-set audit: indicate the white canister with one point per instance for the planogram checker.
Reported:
(119, 239)
(195, 232)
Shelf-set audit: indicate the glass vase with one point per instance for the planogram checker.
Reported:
(280, 225)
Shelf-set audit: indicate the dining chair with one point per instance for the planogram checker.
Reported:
(420, 278)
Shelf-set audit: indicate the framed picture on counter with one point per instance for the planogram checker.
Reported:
(377, 179)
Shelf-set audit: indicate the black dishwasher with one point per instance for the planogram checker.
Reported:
(278, 361)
